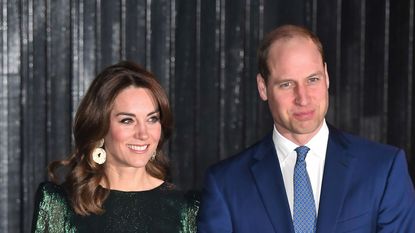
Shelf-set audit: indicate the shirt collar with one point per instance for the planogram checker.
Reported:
(282, 144)
(317, 144)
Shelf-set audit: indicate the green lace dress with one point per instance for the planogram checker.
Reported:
(163, 209)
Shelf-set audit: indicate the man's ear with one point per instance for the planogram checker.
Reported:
(327, 75)
(262, 87)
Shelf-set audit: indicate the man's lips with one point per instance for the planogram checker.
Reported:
(304, 115)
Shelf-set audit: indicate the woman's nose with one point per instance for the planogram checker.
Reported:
(141, 131)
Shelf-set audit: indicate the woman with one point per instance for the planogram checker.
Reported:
(116, 181)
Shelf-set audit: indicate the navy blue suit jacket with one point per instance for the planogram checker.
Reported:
(366, 188)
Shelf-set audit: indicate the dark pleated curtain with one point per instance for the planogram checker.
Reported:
(204, 54)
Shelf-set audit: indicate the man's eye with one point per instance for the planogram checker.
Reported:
(286, 85)
(313, 79)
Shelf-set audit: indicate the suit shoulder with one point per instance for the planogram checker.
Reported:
(364, 142)
(364, 147)
(244, 158)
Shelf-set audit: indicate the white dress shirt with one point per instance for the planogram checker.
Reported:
(315, 162)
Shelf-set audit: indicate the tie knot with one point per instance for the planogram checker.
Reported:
(301, 152)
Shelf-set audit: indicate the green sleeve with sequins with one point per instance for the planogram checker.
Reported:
(52, 213)
(188, 218)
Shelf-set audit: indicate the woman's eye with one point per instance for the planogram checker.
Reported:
(126, 121)
(154, 119)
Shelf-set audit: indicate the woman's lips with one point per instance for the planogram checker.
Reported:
(138, 148)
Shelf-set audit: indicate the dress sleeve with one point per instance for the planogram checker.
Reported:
(52, 212)
(189, 215)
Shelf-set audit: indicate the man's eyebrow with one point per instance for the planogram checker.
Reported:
(318, 73)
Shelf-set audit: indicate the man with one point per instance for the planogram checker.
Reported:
(338, 183)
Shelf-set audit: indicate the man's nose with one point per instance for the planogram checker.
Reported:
(301, 95)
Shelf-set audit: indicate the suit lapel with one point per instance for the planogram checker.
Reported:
(335, 181)
(267, 175)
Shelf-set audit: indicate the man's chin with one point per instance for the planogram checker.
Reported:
(306, 127)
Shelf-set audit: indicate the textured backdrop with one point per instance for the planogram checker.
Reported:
(204, 53)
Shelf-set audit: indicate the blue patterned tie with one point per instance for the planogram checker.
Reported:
(304, 207)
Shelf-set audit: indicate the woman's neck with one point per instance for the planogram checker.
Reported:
(130, 179)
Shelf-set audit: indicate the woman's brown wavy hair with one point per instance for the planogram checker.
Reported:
(92, 124)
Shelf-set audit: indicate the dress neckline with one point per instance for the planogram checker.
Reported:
(142, 191)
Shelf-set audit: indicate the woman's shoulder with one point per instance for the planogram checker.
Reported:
(185, 203)
(51, 192)
(51, 188)
(174, 190)
(52, 196)
(193, 197)
(189, 199)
